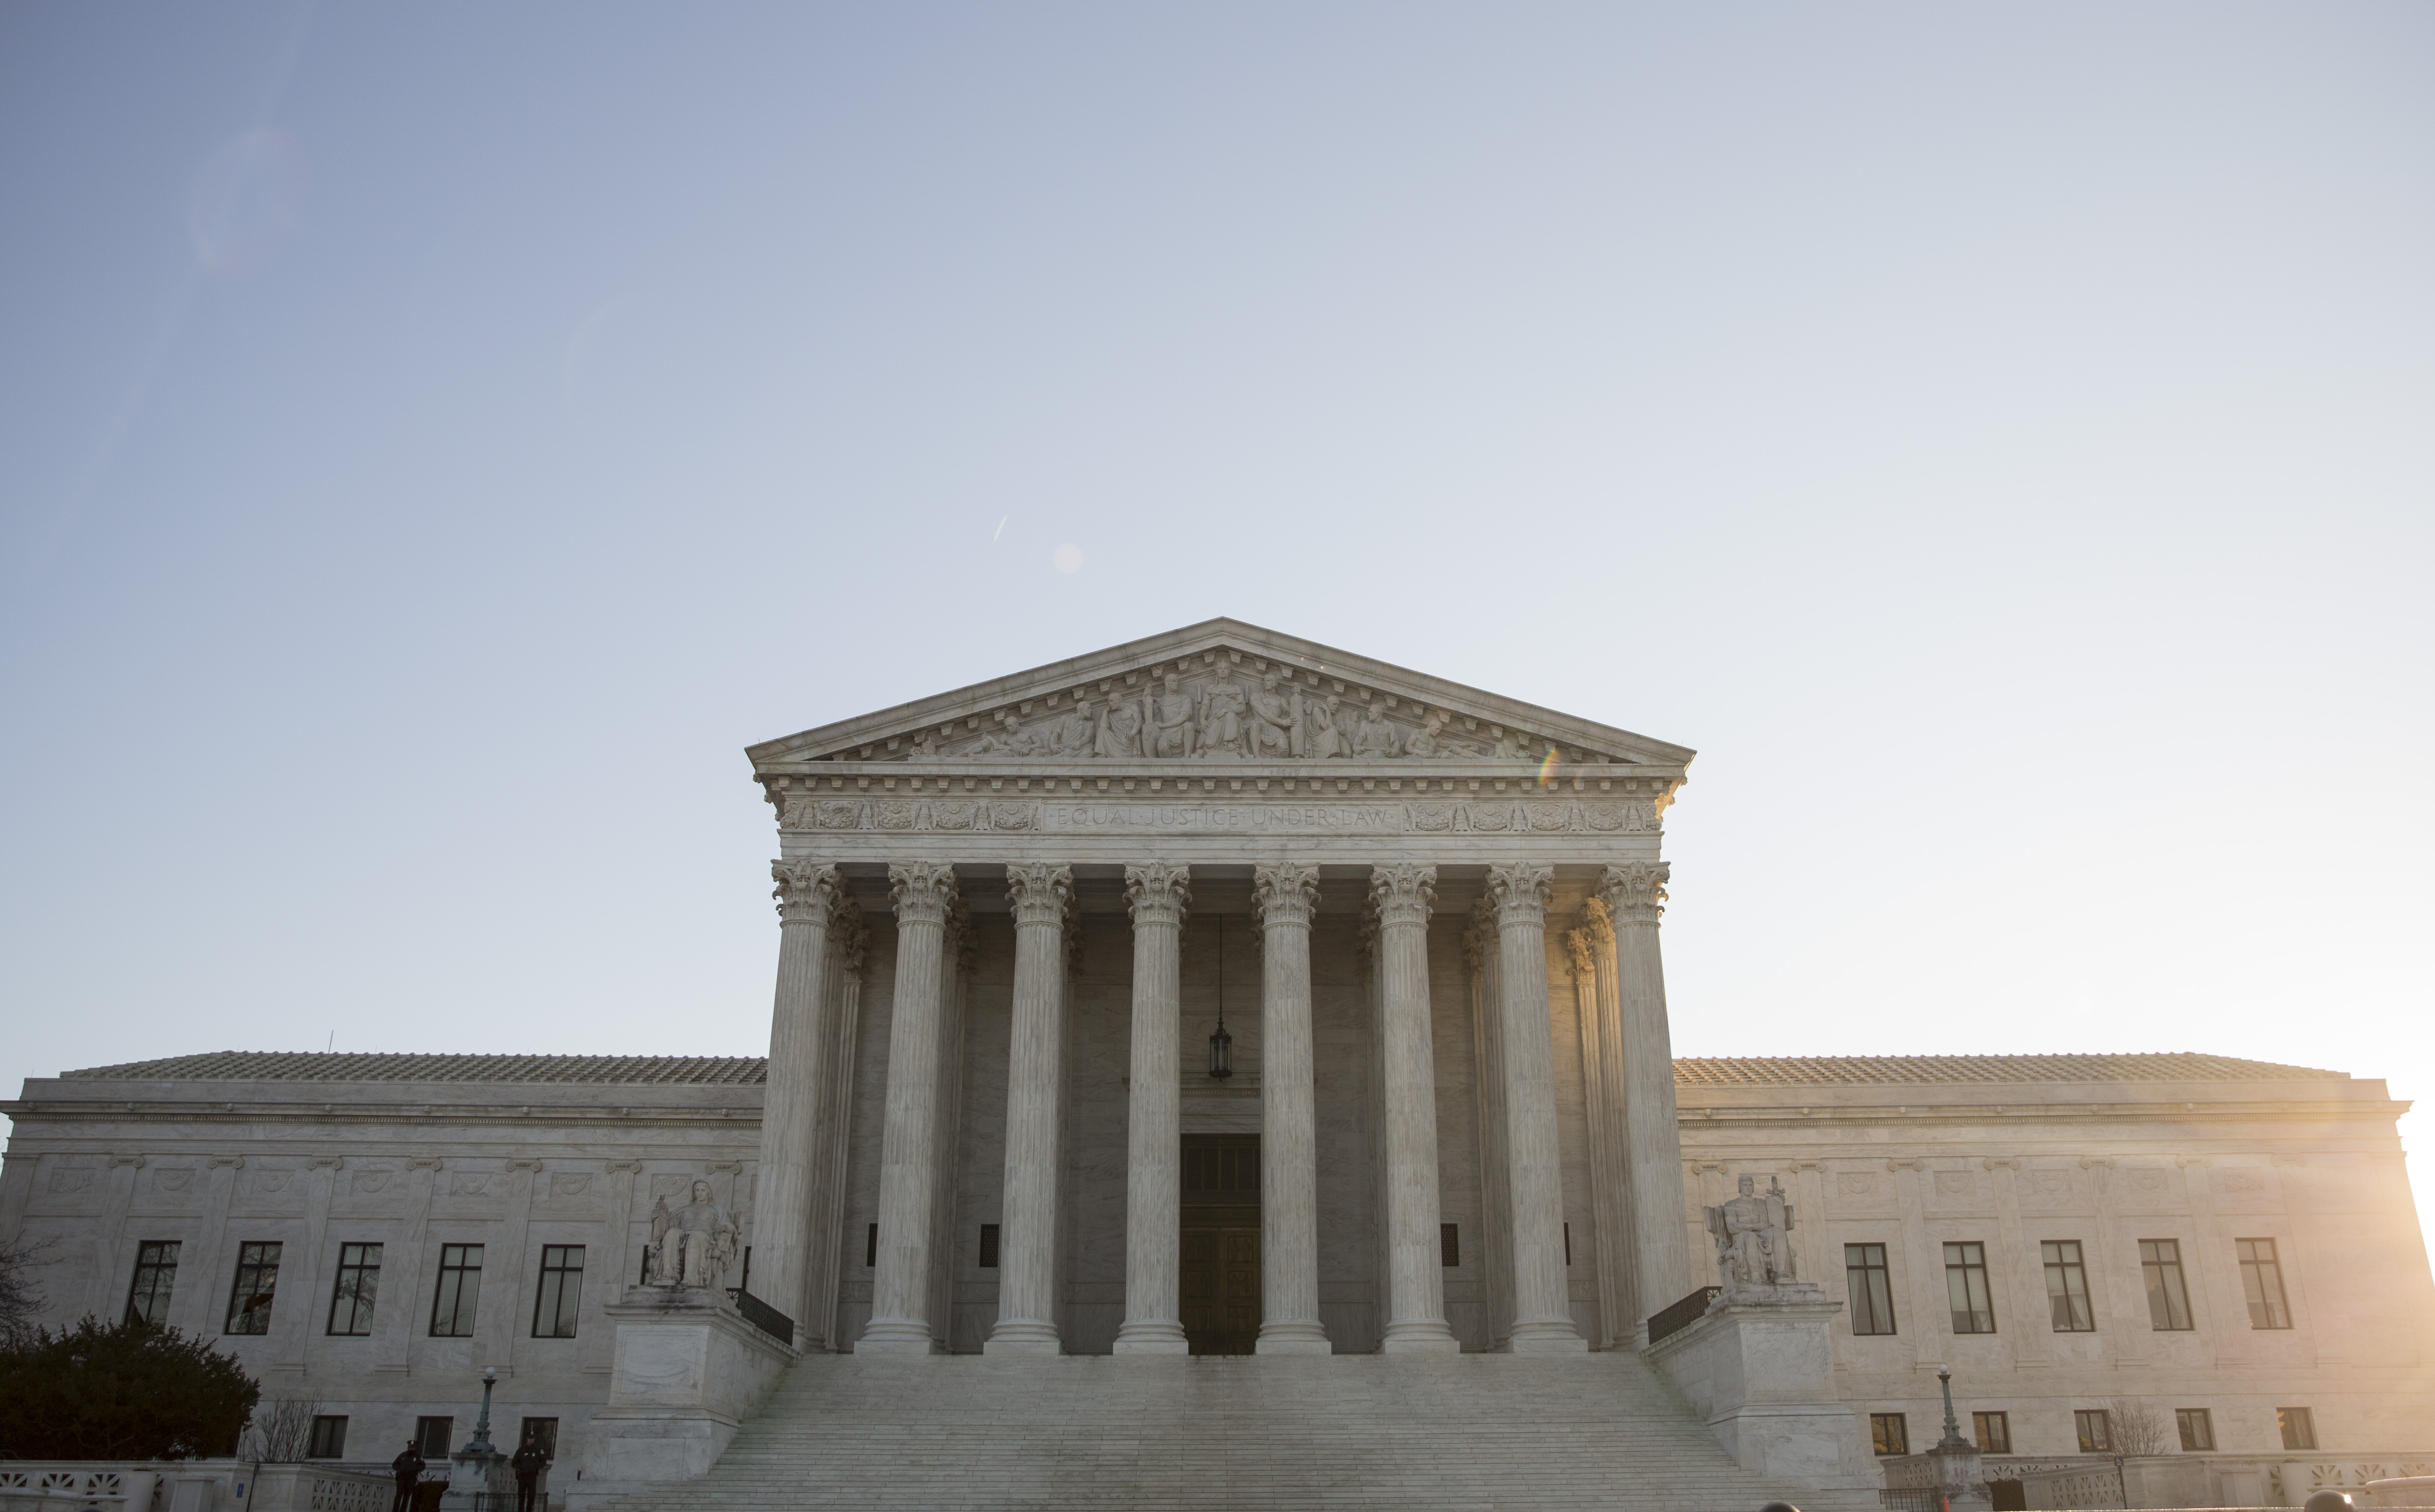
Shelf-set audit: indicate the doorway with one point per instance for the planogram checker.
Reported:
(1220, 1280)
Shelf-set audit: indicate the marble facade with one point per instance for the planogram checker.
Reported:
(1004, 915)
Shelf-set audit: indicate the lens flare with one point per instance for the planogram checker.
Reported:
(1547, 768)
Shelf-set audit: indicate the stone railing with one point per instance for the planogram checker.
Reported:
(2096, 1482)
(187, 1486)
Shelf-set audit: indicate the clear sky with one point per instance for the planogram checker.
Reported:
(435, 440)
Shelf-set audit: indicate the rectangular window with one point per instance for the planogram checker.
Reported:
(871, 1247)
(561, 1289)
(2095, 1433)
(2068, 1287)
(1888, 1433)
(1965, 1288)
(460, 1290)
(2299, 1429)
(744, 1271)
(989, 1246)
(156, 1271)
(431, 1436)
(2261, 1277)
(543, 1431)
(329, 1441)
(1872, 1288)
(1568, 1243)
(351, 1299)
(1994, 1431)
(257, 1278)
(2197, 1425)
(1449, 1244)
(2168, 1300)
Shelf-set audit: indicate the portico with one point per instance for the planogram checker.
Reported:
(1422, 901)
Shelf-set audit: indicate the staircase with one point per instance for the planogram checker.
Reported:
(1469, 1431)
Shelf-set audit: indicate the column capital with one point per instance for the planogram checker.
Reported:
(1634, 894)
(921, 890)
(807, 890)
(1285, 892)
(848, 935)
(1520, 891)
(1580, 949)
(1039, 892)
(1401, 893)
(1597, 922)
(1474, 957)
(1158, 892)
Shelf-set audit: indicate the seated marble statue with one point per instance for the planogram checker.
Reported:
(1752, 1234)
(693, 1245)
(1376, 737)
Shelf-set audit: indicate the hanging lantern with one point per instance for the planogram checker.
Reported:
(1221, 1044)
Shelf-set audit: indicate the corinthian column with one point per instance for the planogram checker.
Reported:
(1288, 1146)
(908, 1150)
(1634, 896)
(1153, 1129)
(795, 1099)
(1027, 1278)
(1415, 1279)
(1542, 1317)
(1596, 997)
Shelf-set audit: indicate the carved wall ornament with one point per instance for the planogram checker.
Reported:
(569, 1183)
(68, 1181)
(2242, 1181)
(2148, 1180)
(1956, 1184)
(423, 1162)
(1578, 952)
(469, 1183)
(373, 1180)
(173, 1179)
(1856, 1183)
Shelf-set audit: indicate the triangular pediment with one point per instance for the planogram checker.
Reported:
(1217, 691)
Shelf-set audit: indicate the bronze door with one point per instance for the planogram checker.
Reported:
(1220, 1290)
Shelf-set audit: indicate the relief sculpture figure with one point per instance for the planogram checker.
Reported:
(1223, 708)
(1010, 739)
(1170, 720)
(1120, 730)
(1321, 738)
(1431, 740)
(692, 1246)
(1376, 737)
(1276, 721)
(1073, 732)
(1752, 1234)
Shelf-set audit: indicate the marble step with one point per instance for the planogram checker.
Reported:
(1346, 1431)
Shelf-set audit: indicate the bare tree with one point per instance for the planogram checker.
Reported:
(21, 1300)
(279, 1431)
(2138, 1427)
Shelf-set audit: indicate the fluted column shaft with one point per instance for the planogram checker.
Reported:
(1153, 1128)
(1027, 1274)
(1543, 1321)
(1289, 1142)
(796, 1098)
(1621, 1306)
(909, 1156)
(1416, 1321)
(1634, 896)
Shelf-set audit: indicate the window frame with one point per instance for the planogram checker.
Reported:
(257, 1259)
(2286, 1419)
(1877, 1303)
(2001, 1422)
(2065, 1270)
(2102, 1442)
(2201, 1442)
(1970, 1269)
(326, 1441)
(550, 1293)
(1879, 1436)
(2255, 1273)
(152, 1281)
(424, 1433)
(456, 1279)
(2167, 1281)
(988, 1257)
(1449, 1246)
(358, 1263)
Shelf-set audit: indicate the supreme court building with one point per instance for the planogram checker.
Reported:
(1226, 995)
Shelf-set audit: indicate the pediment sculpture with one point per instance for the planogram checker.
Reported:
(692, 1246)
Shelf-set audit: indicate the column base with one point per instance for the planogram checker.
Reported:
(894, 1337)
(1293, 1338)
(1155, 1336)
(1023, 1336)
(1432, 1337)
(1547, 1338)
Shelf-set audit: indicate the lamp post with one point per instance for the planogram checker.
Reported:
(480, 1442)
(1221, 1044)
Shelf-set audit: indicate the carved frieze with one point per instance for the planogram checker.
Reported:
(1066, 815)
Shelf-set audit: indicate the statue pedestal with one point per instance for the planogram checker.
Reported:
(473, 1472)
(1760, 1368)
(688, 1369)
